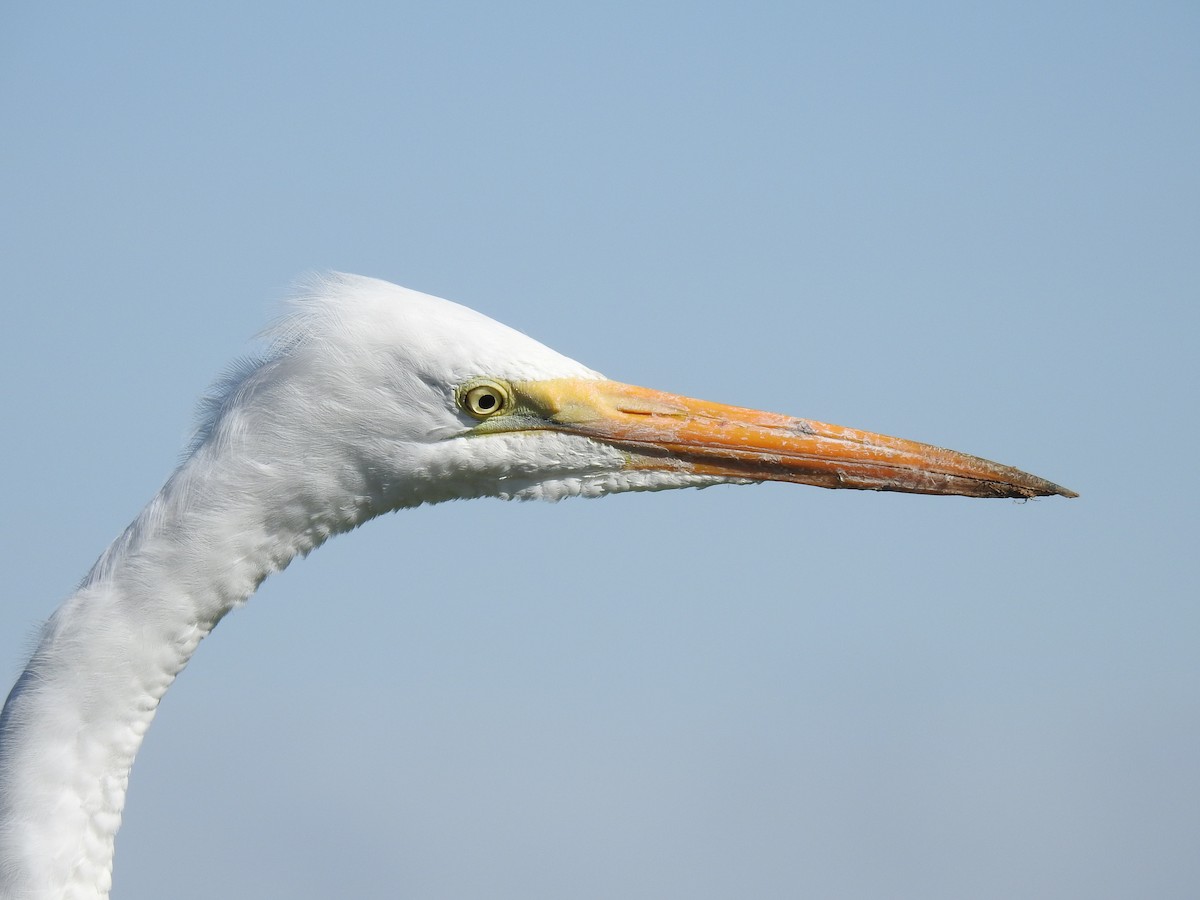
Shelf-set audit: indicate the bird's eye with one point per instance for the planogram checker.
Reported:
(483, 397)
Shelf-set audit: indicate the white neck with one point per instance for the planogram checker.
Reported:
(75, 720)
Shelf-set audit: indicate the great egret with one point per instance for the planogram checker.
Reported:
(372, 398)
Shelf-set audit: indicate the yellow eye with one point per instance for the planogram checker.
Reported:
(483, 397)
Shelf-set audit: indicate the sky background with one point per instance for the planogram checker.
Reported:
(974, 225)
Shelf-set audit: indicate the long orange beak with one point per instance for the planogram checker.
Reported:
(669, 432)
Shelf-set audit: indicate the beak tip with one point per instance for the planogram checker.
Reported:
(1040, 487)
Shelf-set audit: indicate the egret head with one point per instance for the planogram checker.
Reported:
(415, 399)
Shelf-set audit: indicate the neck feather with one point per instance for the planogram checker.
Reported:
(76, 717)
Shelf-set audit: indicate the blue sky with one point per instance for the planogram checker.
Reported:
(971, 226)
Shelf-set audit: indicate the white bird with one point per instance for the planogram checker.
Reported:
(371, 398)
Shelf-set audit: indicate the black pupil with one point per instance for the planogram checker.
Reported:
(486, 401)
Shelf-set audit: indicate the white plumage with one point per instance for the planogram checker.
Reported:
(371, 398)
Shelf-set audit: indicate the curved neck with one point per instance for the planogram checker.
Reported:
(75, 719)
